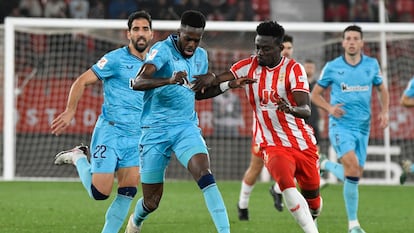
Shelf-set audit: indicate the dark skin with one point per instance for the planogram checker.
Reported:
(268, 49)
(199, 164)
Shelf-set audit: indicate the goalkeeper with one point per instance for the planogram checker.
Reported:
(114, 144)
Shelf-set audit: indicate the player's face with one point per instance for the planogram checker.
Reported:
(287, 49)
(267, 50)
(352, 43)
(188, 42)
(140, 34)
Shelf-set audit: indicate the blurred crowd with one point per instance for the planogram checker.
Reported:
(367, 10)
(229, 10)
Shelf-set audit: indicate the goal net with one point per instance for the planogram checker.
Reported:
(44, 56)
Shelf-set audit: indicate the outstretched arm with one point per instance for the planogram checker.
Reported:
(62, 121)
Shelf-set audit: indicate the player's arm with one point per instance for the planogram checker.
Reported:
(302, 110)
(62, 121)
(407, 101)
(222, 87)
(145, 80)
(202, 82)
(318, 99)
(385, 104)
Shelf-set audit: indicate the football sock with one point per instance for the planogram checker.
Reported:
(84, 172)
(276, 188)
(244, 197)
(350, 193)
(141, 212)
(336, 169)
(216, 207)
(412, 168)
(116, 213)
(299, 209)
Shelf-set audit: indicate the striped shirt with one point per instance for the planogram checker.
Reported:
(272, 127)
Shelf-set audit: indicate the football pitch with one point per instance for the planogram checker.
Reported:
(64, 207)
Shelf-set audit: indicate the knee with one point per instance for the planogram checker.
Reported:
(206, 181)
(97, 195)
(128, 191)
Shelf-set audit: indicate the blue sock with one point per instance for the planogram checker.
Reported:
(412, 168)
(85, 175)
(216, 207)
(350, 193)
(116, 213)
(336, 169)
(141, 212)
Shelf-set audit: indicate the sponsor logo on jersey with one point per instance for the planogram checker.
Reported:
(152, 54)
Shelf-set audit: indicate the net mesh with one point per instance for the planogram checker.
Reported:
(49, 60)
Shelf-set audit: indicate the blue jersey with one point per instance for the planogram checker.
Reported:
(122, 106)
(409, 91)
(352, 87)
(170, 105)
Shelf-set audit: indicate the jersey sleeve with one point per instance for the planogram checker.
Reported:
(241, 68)
(158, 55)
(409, 91)
(378, 76)
(325, 79)
(298, 78)
(104, 68)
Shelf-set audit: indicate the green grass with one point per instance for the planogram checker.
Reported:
(64, 207)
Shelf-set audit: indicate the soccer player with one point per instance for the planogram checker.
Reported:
(170, 123)
(256, 161)
(278, 92)
(407, 100)
(351, 78)
(114, 143)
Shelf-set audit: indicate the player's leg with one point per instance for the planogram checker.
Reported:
(353, 161)
(248, 182)
(307, 176)
(281, 165)
(155, 156)
(407, 167)
(276, 193)
(128, 179)
(192, 153)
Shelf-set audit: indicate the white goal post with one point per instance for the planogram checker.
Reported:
(380, 33)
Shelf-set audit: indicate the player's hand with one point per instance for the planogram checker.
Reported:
(241, 82)
(336, 110)
(203, 82)
(62, 122)
(284, 106)
(179, 77)
(383, 118)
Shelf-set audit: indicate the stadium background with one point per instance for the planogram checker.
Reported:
(54, 59)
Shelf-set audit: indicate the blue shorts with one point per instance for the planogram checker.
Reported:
(157, 145)
(345, 140)
(111, 149)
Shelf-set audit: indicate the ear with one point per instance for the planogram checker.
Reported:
(281, 47)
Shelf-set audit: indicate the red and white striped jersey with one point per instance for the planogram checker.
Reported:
(272, 127)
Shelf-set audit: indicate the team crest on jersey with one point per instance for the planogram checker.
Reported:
(281, 77)
(152, 54)
(101, 63)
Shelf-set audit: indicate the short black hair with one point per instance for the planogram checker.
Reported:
(139, 15)
(271, 28)
(353, 28)
(193, 18)
(288, 38)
